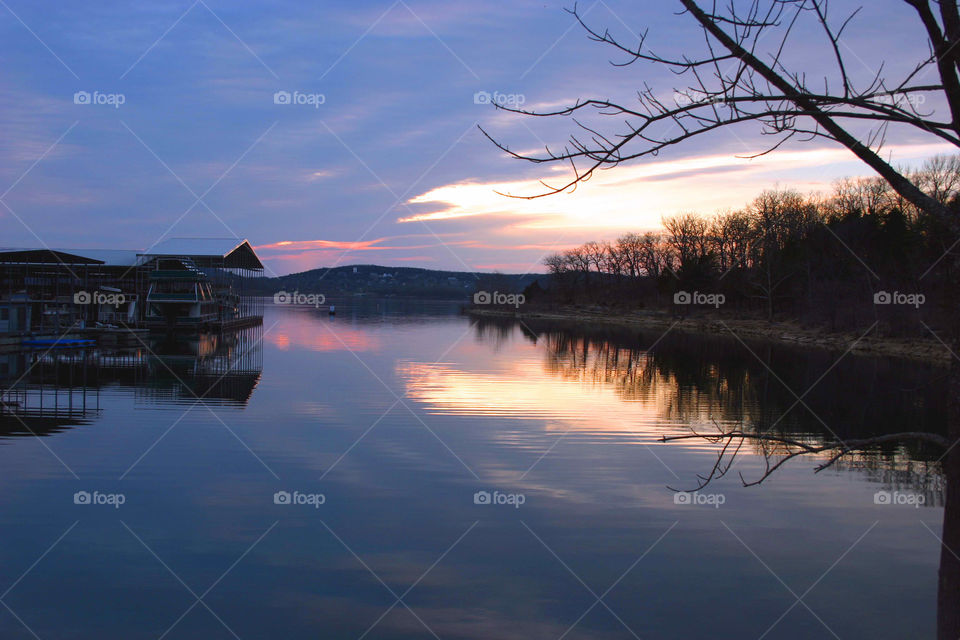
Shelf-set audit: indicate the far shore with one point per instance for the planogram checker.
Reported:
(926, 349)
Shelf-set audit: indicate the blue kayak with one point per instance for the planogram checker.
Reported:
(49, 342)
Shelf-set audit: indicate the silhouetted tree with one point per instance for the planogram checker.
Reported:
(745, 77)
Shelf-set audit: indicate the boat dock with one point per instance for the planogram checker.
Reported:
(49, 296)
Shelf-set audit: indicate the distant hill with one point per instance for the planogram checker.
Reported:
(372, 279)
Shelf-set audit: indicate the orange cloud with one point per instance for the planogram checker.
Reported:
(636, 196)
(290, 246)
(306, 245)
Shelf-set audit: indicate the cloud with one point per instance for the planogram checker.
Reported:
(638, 195)
(299, 246)
(322, 174)
(309, 245)
(398, 97)
(288, 255)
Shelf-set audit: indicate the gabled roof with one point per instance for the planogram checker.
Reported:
(43, 256)
(194, 247)
(232, 251)
(114, 257)
(205, 252)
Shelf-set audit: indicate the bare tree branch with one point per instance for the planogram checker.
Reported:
(737, 84)
(794, 448)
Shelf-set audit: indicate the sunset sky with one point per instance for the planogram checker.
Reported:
(381, 161)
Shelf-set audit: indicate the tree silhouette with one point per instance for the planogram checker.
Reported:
(744, 77)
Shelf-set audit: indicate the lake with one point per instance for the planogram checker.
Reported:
(403, 471)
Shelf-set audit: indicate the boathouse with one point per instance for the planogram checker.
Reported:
(179, 283)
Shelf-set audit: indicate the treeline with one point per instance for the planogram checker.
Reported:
(811, 257)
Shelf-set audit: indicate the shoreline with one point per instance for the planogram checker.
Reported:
(927, 350)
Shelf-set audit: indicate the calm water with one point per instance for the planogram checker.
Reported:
(395, 416)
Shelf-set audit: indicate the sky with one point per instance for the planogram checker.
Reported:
(347, 133)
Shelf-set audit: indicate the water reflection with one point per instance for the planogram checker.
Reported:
(810, 396)
(354, 318)
(217, 368)
(45, 391)
(696, 380)
(317, 338)
(570, 418)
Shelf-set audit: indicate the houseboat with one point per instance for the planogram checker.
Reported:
(180, 296)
